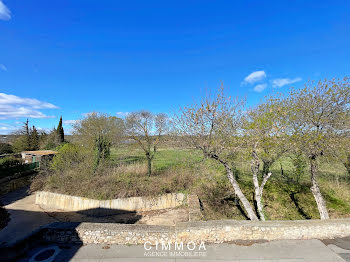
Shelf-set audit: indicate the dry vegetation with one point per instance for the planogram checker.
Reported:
(177, 170)
(118, 178)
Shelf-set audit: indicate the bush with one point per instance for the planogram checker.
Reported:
(5, 148)
(39, 181)
(69, 157)
(9, 161)
(66, 170)
(20, 144)
(50, 141)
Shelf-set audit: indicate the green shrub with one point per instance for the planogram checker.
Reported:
(69, 156)
(5, 148)
(9, 161)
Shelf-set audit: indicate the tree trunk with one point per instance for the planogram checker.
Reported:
(258, 194)
(247, 206)
(258, 189)
(149, 165)
(315, 189)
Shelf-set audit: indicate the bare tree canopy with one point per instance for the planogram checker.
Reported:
(318, 121)
(264, 131)
(213, 126)
(147, 129)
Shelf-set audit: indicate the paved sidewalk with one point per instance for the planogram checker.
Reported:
(341, 246)
(281, 251)
(25, 216)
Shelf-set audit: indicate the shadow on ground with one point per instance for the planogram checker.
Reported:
(11, 197)
(23, 249)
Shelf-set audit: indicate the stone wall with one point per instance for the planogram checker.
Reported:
(101, 207)
(206, 231)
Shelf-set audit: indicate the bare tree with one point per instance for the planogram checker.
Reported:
(264, 130)
(212, 126)
(318, 117)
(147, 129)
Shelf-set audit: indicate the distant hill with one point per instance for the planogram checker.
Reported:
(7, 138)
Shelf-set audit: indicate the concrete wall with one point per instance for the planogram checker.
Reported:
(206, 231)
(100, 207)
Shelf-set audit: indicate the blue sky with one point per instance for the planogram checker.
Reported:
(72, 57)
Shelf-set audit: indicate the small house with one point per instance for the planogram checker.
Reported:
(37, 156)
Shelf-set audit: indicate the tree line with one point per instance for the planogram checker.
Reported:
(29, 138)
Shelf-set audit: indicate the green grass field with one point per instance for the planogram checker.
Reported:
(165, 157)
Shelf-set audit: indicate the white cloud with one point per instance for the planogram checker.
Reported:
(6, 99)
(260, 88)
(279, 82)
(3, 67)
(7, 128)
(12, 106)
(8, 111)
(5, 13)
(255, 77)
(70, 122)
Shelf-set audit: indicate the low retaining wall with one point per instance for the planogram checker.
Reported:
(208, 231)
(101, 207)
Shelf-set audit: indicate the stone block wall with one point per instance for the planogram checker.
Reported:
(204, 231)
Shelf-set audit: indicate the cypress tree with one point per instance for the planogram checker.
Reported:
(27, 142)
(60, 131)
(34, 139)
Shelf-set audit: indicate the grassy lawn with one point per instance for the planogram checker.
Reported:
(165, 157)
